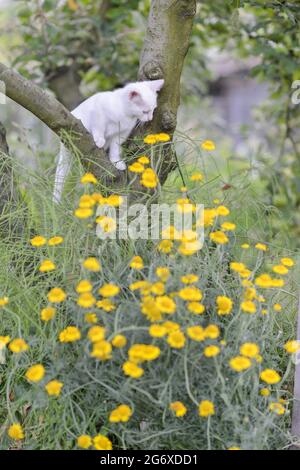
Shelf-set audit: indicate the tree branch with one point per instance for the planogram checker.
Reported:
(58, 119)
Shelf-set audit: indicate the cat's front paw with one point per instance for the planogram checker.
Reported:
(120, 165)
(100, 142)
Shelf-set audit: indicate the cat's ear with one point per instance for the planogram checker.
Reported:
(156, 85)
(134, 95)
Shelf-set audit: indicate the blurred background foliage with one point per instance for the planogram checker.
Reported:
(236, 86)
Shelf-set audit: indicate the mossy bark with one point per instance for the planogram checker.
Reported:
(166, 44)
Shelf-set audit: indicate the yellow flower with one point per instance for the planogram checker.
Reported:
(86, 201)
(208, 145)
(176, 339)
(170, 326)
(86, 300)
(228, 226)
(88, 178)
(83, 212)
(54, 387)
(150, 139)
(185, 206)
(119, 341)
(249, 350)
(158, 288)
(150, 308)
(46, 266)
(91, 317)
(189, 248)
(238, 267)
(265, 392)
(149, 178)
(209, 216)
(270, 376)
(234, 448)
(264, 280)
(165, 304)
(165, 246)
(197, 333)
(179, 408)
(107, 224)
(212, 331)
(102, 442)
(38, 241)
(211, 351)
(91, 264)
(132, 370)
(109, 290)
(163, 273)
(157, 331)
(223, 211)
(144, 160)
(245, 246)
(136, 263)
(48, 313)
(196, 177)
(55, 241)
(218, 237)
(224, 305)
(192, 294)
(56, 295)
(143, 352)
(248, 306)
(136, 167)
(277, 307)
(277, 283)
(206, 408)
(15, 431)
(280, 269)
(102, 350)
(35, 373)
(69, 334)
(18, 345)
(106, 304)
(261, 246)
(84, 441)
(114, 200)
(287, 262)
(292, 346)
(96, 333)
(3, 301)
(162, 137)
(240, 363)
(4, 340)
(121, 414)
(196, 308)
(189, 278)
(84, 286)
(277, 408)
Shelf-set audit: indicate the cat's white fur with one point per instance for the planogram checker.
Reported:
(110, 117)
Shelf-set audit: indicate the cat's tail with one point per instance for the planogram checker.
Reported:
(62, 171)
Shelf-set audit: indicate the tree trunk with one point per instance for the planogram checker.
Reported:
(6, 176)
(166, 45)
(64, 82)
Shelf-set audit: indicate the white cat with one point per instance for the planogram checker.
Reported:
(110, 117)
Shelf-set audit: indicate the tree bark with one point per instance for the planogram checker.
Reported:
(6, 175)
(64, 82)
(166, 44)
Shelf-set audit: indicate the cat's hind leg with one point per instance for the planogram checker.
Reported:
(62, 171)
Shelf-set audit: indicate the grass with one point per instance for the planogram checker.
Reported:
(93, 388)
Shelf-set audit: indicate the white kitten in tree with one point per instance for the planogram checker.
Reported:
(110, 117)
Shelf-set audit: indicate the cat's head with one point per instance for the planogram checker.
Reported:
(142, 99)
